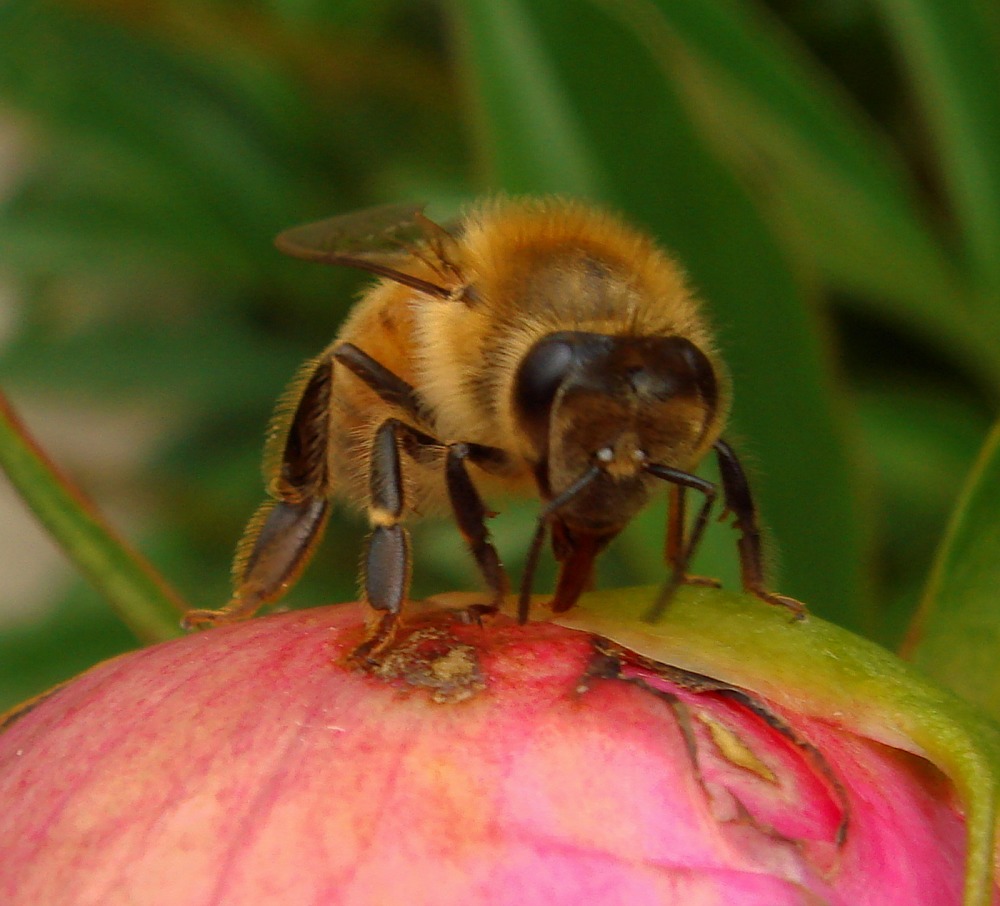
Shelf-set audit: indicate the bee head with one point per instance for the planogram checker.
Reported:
(618, 402)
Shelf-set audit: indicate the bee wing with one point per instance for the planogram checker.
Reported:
(380, 240)
(377, 233)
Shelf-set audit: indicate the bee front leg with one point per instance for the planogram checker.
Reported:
(679, 552)
(739, 501)
(674, 552)
(283, 534)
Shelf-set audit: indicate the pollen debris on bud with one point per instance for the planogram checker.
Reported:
(497, 764)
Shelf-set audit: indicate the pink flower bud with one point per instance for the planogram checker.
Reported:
(502, 764)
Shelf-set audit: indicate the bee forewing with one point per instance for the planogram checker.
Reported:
(378, 234)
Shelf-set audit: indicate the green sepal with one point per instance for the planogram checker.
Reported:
(814, 668)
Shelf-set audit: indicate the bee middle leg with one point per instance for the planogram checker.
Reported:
(387, 561)
(678, 551)
(470, 514)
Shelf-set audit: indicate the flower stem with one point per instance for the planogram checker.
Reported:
(132, 585)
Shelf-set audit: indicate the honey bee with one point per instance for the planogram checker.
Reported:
(542, 346)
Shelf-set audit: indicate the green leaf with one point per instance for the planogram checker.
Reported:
(528, 130)
(826, 172)
(165, 131)
(40, 226)
(633, 147)
(816, 669)
(207, 360)
(956, 635)
(952, 51)
(920, 442)
(142, 598)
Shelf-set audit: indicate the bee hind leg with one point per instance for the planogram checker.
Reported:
(284, 533)
(281, 537)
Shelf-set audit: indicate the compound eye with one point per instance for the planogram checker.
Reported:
(541, 372)
(681, 368)
(563, 358)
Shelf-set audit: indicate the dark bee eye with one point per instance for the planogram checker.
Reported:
(546, 367)
(676, 366)
(541, 372)
(540, 375)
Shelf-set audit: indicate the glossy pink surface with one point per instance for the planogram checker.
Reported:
(249, 765)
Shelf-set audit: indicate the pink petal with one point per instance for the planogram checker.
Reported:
(249, 765)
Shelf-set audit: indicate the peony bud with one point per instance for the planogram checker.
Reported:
(495, 764)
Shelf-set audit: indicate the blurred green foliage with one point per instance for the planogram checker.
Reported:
(829, 173)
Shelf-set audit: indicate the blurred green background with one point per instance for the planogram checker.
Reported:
(827, 171)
